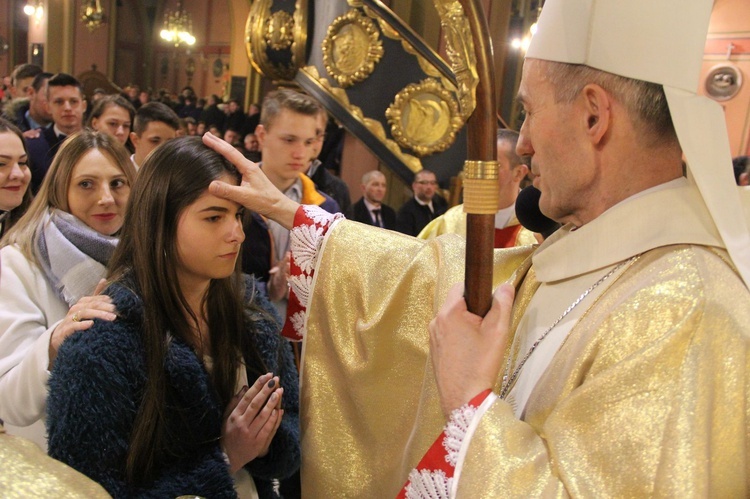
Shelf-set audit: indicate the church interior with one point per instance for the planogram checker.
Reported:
(175, 350)
(122, 43)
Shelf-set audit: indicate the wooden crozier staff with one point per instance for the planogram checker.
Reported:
(480, 170)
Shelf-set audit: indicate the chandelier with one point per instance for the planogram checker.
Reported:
(177, 27)
(523, 43)
(92, 14)
(35, 9)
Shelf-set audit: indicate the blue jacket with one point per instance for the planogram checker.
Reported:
(257, 249)
(95, 391)
(42, 151)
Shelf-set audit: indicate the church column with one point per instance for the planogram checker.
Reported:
(59, 42)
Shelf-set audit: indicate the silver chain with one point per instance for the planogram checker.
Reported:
(509, 379)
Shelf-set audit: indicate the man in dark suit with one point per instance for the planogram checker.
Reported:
(66, 105)
(423, 207)
(370, 208)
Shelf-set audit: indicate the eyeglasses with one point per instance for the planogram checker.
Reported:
(426, 182)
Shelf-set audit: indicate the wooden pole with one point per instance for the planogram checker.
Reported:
(480, 185)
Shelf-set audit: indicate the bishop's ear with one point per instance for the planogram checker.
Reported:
(597, 106)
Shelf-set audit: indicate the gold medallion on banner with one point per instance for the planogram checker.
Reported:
(351, 48)
(424, 117)
(280, 30)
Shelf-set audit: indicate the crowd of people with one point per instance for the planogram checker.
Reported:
(69, 262)
(69, 174)
(161, 262)
(128, 115)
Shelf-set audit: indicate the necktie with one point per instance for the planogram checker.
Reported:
(377, 218)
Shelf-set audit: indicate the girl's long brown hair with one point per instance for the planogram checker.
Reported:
(171, 179)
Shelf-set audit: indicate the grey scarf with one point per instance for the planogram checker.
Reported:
(72, 255)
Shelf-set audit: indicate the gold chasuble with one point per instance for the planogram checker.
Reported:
(648, 393)
(28, 472)
(647, 397)
(453, 221)
(366, 355)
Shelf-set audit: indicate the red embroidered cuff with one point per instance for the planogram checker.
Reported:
(436, 469)
(311, 223)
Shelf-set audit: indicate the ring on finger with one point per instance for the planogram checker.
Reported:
(76, 317)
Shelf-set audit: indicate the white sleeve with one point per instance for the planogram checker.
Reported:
(29, 312)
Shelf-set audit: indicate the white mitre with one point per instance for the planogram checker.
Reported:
(659, 41)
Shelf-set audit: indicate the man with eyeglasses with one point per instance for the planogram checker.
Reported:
(508, 230)
(423, 207)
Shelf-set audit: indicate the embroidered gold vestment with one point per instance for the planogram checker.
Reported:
(453, 221)
(649, 394)
(28, 472)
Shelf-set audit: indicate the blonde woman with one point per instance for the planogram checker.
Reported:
(52, 262)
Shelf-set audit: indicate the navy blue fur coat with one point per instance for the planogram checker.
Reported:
(95, 389)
